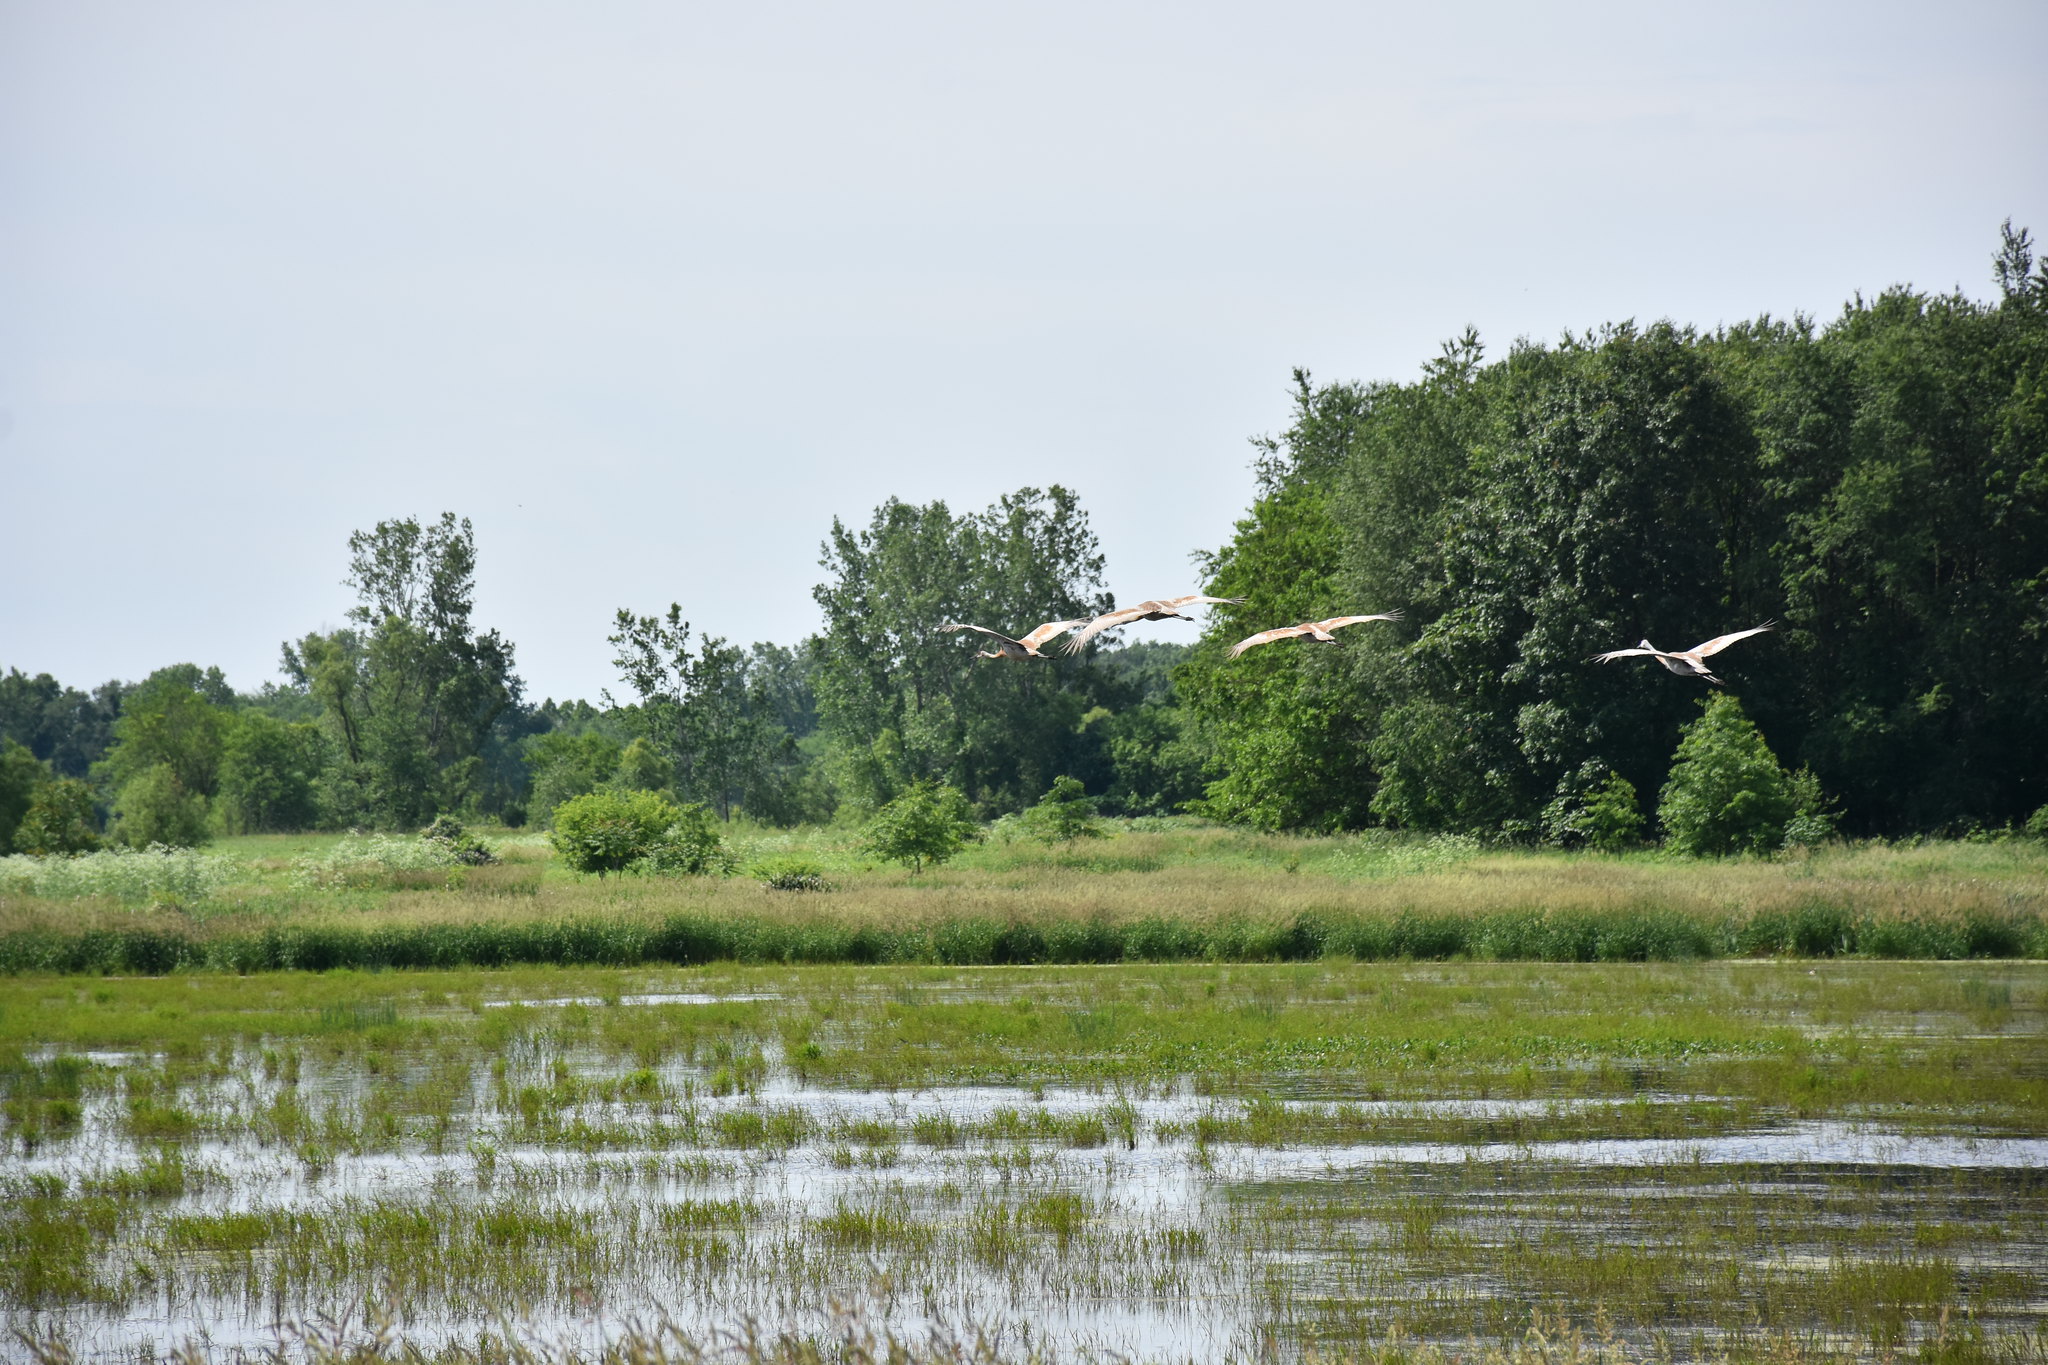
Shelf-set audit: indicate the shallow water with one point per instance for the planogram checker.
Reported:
(549, 1167)
(1135, 1195)
(645, 998)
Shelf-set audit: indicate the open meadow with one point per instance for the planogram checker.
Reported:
(1152, 890)
(1811, 1154)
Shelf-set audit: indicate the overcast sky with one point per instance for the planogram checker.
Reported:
(652, 292)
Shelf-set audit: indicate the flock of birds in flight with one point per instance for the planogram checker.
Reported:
(1690, 663)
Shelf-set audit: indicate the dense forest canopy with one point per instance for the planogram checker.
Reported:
(1878, 486)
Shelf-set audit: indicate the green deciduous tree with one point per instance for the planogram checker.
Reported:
(177, 718)
(269, 775)
(999, 734)
(566, 765)
(1066, 812)
(927, 824)
(62, 726)
(642, 767)
(20, 774)
(60, 819)
(155, 807)
(412, 693)
(1880, 485)
(704, 712)
(1727, 792)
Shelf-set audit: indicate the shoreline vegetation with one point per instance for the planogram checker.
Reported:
(1157, 891)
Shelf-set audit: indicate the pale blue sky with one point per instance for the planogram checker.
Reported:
(651, 292)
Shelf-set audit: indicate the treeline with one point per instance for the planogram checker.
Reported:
(1879, 485)
(411, 711)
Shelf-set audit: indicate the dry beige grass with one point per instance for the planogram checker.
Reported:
(1198, 877)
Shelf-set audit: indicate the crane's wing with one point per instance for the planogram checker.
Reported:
(1050, 629)
(1335, 621)
(1611, 655)
(1721, 642)
(952, 626)
(1266, 637)
(1109, 620)
(1194, 598)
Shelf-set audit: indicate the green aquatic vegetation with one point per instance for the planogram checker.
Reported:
(568, 1165)
(856, 1227)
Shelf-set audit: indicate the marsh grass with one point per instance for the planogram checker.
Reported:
(1176, 894)
(582, 1153)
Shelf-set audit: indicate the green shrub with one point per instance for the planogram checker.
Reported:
(1066, 812)
(1613, 819)
(153, 807)
(928, 823)
(60, 819)
(1727, 792)
(2037, 823)
(1590, 813)
(1812, 822)
(690, 846)
(609, 831)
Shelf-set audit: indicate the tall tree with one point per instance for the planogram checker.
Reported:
(900, 701)
(705, 711)
(412, 693)
(1880, 484)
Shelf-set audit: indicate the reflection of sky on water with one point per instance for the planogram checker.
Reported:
(1164, 1180)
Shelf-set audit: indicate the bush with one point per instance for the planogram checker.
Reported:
(1727, 792)
(1812, 821)
(60, 819)
(1594, 814)
(153, 807)
(2037, 823)
(1066, 812)
(609, 831)
(1613, 818)
(690, 846)
(928, 823)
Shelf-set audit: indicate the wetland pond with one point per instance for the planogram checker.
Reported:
(1140, 1163)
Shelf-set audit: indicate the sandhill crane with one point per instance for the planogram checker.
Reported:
(1315, 630)
(1008, 648)
(1156, 609)
(1687, 663)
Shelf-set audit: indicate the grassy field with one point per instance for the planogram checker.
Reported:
(1151, 891)
(1782, 1160)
